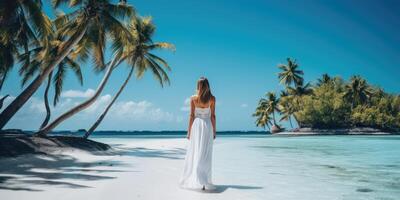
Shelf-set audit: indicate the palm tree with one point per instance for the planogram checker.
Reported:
(325, 79)
(357, 91)
(58, 84)
(378, 92)
(287, 110)
(283, 93)
(295, 94)
(263, 118)
(300, 90)
(139, 57)
(290, 73)
(36, 58)
(91, 19)
(22, 24)
(271, 105)
(2, 100)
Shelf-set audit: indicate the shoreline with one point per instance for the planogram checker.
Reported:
(339, 131)
(284, 168)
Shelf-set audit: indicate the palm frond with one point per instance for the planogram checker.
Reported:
(160, 60)
(58, 82)
(120, 11)
(156, 73)
(160, 70)
(41, 21)
(76, 68)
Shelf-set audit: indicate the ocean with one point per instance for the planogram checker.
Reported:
(306, 167)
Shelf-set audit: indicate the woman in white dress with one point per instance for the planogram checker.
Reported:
(201, 133)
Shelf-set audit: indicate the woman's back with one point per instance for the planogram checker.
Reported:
(201, 132)
(202, 110)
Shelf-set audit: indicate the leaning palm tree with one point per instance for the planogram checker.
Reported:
(139, 57)
(22, 24)
(287, 110)
(27, 71)
(271, 106)
(357, 91)
(295, 95)
(263, 118)
(290, 73)
(92, 19)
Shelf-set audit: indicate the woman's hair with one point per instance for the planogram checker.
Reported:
(203, 90)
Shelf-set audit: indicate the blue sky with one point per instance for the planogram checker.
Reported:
(237, 45)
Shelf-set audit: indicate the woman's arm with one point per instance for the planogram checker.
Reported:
(191, 117)
(213, 119)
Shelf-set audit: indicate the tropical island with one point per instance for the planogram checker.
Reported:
(84, 113)
(329, 105)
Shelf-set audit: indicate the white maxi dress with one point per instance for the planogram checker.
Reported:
(197, 169)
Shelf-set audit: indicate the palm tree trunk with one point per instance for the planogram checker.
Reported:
(295, 118)
(100, 119)
(290, 120)
(46, 102)
(273, 116)
(3, 79)
(27, 93)
(83, 105)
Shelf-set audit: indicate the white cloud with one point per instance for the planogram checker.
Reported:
(186, 105)
(244, 105)
(99, 105)
(124, 113)
(142, 110)
(78, 94)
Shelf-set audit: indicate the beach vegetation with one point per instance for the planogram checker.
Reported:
(331, 103)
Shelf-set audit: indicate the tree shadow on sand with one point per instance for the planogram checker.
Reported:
(175, 153)
(26, 172)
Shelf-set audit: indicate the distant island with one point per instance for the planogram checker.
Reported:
(330, 105)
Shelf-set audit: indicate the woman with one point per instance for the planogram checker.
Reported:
(201, 132)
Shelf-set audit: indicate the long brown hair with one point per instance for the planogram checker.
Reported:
(203, 90)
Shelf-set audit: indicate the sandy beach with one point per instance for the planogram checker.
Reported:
(258, 167)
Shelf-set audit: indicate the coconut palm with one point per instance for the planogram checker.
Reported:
(22, 24)
(290, 73)
(271, 105)
(287, 110)
(357, 91)
(91, 19)
(325, 79)
(283, 93)
(300, 90)
(263, 119)
(58, 82)
(36, 57)
(139, 57)
(43, 131)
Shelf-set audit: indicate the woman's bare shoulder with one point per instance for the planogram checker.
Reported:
(213, 98)
(193, 98)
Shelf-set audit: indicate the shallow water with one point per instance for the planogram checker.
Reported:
(308, 167)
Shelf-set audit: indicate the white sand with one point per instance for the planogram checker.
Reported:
(276, 168)
(149, 169)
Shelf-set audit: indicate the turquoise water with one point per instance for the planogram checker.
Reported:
(308, 167)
